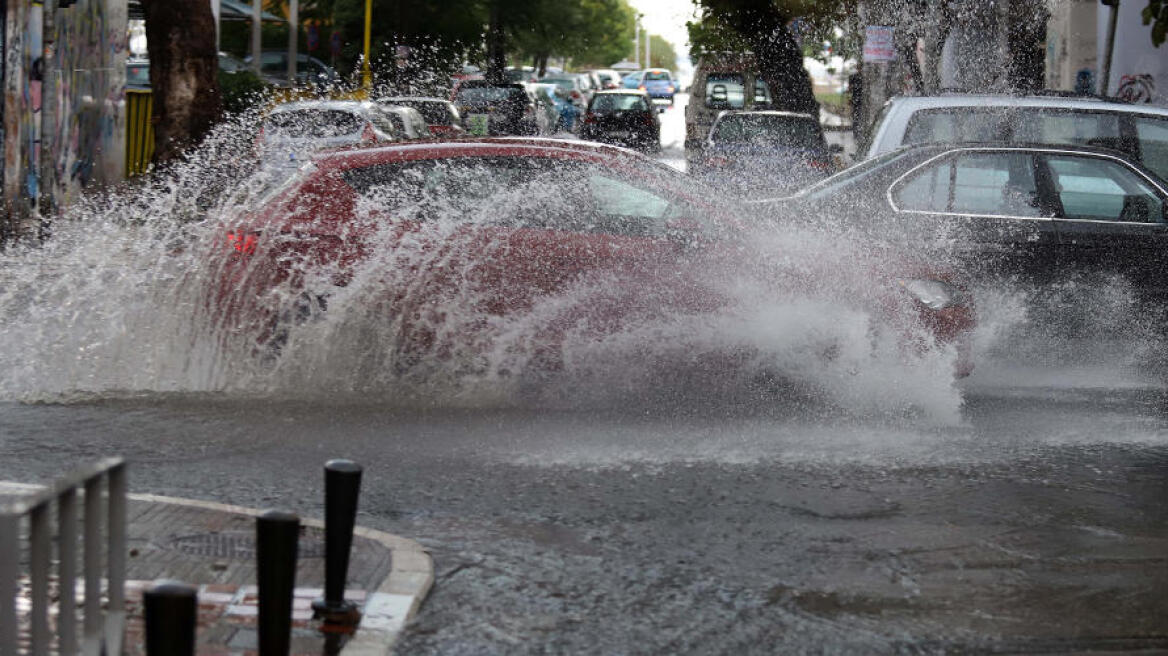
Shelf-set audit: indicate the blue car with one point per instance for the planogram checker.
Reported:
(657, 82)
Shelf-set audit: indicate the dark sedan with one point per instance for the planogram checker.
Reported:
(760, 152)
(625, 118)
(1041, 211)
(497, 109)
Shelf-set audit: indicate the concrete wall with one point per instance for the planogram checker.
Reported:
(1139, 71)
(64, 101)
(1072, 61)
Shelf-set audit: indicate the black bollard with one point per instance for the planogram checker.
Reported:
(342, 485)
(277, 540)
(170, 609)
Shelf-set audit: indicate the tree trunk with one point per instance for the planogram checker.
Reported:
(780, 61)
(184, 73)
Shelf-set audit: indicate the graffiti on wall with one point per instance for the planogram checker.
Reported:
(33, 84)
(1136, 88)
(82, 91)
(89, 98)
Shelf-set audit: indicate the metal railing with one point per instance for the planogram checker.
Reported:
(102, 633)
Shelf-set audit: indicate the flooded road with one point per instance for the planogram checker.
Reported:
(883, 509)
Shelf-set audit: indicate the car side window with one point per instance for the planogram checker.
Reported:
(995, 184)
(1153, 136)
(625, 207)
(1099, 189)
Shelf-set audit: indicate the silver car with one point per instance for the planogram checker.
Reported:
(293, 130)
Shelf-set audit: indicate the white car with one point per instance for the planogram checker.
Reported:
(409, 122)
(1141, 131)
(292, 131)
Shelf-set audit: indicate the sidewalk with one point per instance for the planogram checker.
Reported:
(212, 546)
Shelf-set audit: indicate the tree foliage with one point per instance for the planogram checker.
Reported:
(661, 53)
(762, 27)
(1156, 15)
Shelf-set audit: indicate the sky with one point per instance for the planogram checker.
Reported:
(667, 18)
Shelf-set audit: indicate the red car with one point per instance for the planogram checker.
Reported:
(509, 250)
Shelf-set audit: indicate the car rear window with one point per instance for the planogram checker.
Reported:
(1033, 125)
(725, 90)
(657, 76)
(618, 103)
(1153, 135)
(792, 131)
(313, 123)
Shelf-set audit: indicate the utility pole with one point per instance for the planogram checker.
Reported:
(257, 9)
(293, 38)
(637, 41)
(1105, 71)
(648, 62)
(366, 74)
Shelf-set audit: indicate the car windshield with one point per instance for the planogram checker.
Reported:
(313, 123)
(769, 129)
(827, 188)
(489, 94)
(522, 192)
(618, 103)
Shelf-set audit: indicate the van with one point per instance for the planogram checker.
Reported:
(720, 82)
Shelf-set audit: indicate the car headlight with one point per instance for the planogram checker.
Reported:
(933, 294)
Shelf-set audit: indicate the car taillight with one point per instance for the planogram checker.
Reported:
(717, 160)
(368, 136)
(821, 165)
(575, 95)
(242, 241)
(641, 88)
(670, 89)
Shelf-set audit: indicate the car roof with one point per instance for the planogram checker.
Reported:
(343, 105)
(344, 158)
(393, 99)
(1010, 145)
(620, 92)
(991, 100)
(766, 112)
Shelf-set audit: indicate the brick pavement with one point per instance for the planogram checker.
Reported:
(212, 546)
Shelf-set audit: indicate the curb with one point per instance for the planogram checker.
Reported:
(387, 609)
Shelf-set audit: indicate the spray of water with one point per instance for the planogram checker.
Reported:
(140, 291)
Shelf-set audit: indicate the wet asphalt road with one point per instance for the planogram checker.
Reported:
(1039, 522)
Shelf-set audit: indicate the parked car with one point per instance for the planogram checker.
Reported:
(572, 87)
(719, 84)
(309, 69)
(765, 152)
(407, 121)
(292, 131)
(545, 95)
(609, 79)
(657, 82)
(1141, 131)
(499, 109)
(138, 69)
(483, 230)
(1036, 211)
(625, 118)
(441, 116)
